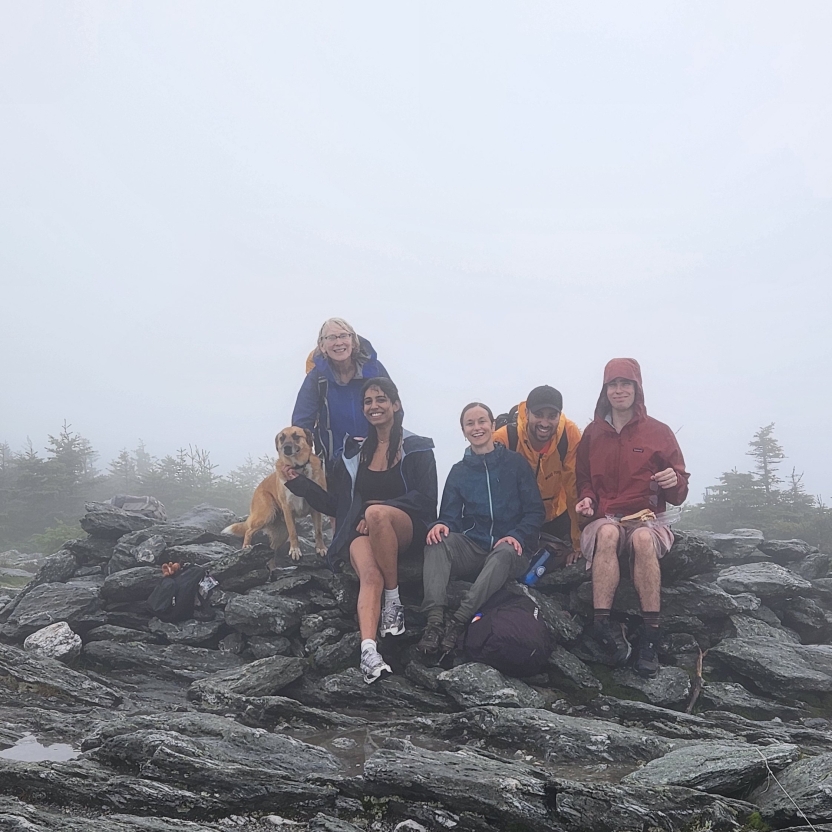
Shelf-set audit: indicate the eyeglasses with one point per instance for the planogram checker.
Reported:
(653, 499)
(344, 336)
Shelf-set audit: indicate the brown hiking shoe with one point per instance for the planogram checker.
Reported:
(453, 631)
(431, 637)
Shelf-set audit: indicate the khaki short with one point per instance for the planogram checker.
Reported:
(662, 538)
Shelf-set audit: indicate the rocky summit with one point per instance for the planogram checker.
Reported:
(253, 715)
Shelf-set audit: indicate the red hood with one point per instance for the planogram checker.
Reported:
(621, 368)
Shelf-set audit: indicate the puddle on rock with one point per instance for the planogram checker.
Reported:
(28, 750)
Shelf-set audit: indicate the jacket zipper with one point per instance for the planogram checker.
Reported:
(490, 504)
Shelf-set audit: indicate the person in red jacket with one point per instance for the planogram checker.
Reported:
(629, 467)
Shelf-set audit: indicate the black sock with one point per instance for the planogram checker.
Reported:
(602, 616)
(651, 619)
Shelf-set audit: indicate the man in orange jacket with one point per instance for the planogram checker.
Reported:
(549, 442)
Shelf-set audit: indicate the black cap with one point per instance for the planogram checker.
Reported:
(544, 396)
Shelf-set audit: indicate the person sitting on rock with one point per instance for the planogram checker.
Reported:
(329, 401)
(629, 467)
(549, 443)
(491, 510)
(382, 493)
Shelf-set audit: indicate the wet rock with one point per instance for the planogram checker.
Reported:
(261, 647)
(556, 738)
(57, 641)
(670, 687)
(173, 535)
(690, 555)
(104, 520)
(57, 568)
(176, 661)
(424, 676)
(48, 603)
(564, 626)
(151, 551)
(203, 554)
(260, 614)
(726, 769)
(775, 666)
(111, 632)
(30, 674)
(807, 618)
(311, 624)
(243, 569)
(738, 544)
(330, 658)
(233, 643)
(567, 670)
(327, 636)
(787, 551)
(474, 684)
(808, 783)
(744, 626)
(730, 696)
(195, 633)
(813, 566)
(264, 677)
(131, 585)
(327, 823)
(89, 550)
(120, 561)
(347, 689)
(207, 517)
(765, 580)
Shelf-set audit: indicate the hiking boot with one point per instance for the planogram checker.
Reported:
(610, 636)
(392, 620)
(373, 665)
(450, 638)
(647, 659)
(431, 637)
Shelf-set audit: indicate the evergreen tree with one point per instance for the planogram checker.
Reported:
(768, 453)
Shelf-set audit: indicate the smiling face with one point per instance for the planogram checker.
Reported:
(379, 408)
(543, 424)
(478, 428)
(621, 394)
(337, 343)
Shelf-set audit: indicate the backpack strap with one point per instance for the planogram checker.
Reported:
(511, 430)
(563, 446)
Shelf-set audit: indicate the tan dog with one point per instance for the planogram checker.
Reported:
(273, 507)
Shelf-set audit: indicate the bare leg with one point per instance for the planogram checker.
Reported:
(647, 574)
(317, 522)
(370, 584)
(605, 572)
(390, 532)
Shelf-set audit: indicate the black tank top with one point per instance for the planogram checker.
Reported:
(380, 485)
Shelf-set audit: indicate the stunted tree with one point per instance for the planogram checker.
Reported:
(768, 453)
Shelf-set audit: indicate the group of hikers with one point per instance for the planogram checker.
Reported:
(604, 494)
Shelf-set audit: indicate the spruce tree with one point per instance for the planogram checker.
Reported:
(768, 453)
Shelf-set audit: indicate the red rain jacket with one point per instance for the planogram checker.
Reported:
(615, 469)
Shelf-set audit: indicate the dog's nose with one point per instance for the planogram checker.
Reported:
(288, 449)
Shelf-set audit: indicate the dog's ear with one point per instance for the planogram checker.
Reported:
(309, 437)
(277, 441)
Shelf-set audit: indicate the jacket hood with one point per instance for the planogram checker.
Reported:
(621, 368)
(366, 348)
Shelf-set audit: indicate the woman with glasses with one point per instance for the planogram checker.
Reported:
(330, 401)
(382, 491)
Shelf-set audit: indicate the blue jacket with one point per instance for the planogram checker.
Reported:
(332, 410)
(491, 496)
(346, 505)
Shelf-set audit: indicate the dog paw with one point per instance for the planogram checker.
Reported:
(294, 553)
(321, 550)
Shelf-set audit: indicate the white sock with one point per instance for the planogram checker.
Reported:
(368, 644)
(391, 596)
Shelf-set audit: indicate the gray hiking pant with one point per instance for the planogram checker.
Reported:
(458, 557)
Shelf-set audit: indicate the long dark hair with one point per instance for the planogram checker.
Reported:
(370, 445)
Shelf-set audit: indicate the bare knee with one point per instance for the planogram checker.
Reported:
(377, 514)
(607, 535)
(643, 545)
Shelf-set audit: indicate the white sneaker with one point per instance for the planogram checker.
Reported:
(392, 620)
(373, 665)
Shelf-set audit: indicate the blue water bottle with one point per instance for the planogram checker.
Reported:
(538, 568)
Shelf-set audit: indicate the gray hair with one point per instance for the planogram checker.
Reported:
(358, 353)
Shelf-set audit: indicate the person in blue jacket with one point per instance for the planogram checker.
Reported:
(329, 401)
(491, 512)
(382, 493)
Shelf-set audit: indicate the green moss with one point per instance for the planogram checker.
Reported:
(756, 823)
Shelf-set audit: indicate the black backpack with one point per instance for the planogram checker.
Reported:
(175, 596)
(510, 635)
(509, 422)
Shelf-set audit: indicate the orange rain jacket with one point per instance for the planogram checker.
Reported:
(556, 481)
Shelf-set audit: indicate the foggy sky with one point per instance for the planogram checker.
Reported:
(497, 195)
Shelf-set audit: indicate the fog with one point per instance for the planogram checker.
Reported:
(496, 195)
